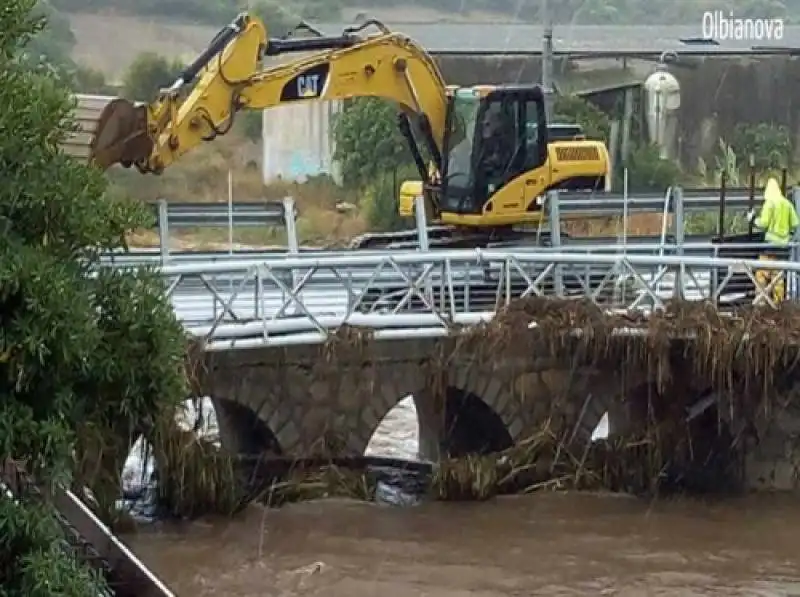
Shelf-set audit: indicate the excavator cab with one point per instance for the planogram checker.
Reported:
(497, 146)
(500, 155)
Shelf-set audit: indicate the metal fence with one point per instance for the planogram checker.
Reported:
(284, 297)
(673, 206)
(299, 300)
(171, 216)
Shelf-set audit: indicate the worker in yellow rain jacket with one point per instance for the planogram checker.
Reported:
(778, 219)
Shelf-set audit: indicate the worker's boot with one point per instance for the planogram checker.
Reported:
(763, 278)
(779, 290)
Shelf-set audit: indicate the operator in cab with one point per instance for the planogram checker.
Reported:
(779, 221)
(498, 146)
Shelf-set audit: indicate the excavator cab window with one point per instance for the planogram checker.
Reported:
(461, 126)
(498, 145)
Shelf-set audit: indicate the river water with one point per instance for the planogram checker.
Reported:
(543, 544)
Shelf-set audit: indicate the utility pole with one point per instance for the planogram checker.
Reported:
(547, 59)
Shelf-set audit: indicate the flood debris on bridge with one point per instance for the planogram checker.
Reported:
(747, 359)
(751, 348)
(739, 365)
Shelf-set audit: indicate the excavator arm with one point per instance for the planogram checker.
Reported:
(228, 77)
(488, 159)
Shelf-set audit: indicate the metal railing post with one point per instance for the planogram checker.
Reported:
(423, 240)
(554, 215)
(794, 254)
(422, 223)
(293, 244)
(290, 222)
(163, 230)
(680, 235)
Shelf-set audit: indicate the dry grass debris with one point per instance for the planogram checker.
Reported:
(742, 348)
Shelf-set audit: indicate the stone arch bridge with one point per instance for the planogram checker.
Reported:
(301, 401)
(327, 400)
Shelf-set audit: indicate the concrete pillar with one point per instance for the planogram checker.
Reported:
(430, 416)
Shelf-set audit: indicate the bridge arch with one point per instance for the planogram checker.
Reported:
(529, 394)
(394, 384)
(242, 430)
(479, 414)
(472, 426)
(397, 434)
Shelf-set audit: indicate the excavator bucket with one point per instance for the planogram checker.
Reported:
(121, 135)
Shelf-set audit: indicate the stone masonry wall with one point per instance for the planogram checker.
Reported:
(315, 401)
(315, 406)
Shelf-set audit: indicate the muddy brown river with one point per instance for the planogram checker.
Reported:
(545, 544)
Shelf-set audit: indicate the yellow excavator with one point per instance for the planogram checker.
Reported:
(482, 152)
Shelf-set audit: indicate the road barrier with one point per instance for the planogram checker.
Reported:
(558, 206)
(170, 216)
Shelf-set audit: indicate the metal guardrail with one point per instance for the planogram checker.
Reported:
(223, 215)
(676, 202)
(615, 204)
(426, 294)
(643, 245)
(91, 540)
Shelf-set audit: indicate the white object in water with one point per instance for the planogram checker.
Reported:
(601, 431)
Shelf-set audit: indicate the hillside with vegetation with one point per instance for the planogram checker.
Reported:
(106, 31)
(283, 14)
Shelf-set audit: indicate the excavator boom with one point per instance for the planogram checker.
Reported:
(488, 157)
(229, 77)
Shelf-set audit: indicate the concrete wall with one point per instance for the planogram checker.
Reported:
(298, 141)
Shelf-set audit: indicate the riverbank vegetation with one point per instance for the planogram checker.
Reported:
(87, 360)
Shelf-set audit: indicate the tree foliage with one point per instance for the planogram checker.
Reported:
(148, 74)
(574, 109)
(50, 49)
(648, 171)
(768, 143)
(77, 351)
(368, 142)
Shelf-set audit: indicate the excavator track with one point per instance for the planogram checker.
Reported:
(87, 537)
(451, 237)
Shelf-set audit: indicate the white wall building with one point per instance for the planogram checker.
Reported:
(298, 141)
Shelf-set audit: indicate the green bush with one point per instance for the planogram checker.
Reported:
(148, 74)
(76, 351)
(648, 172)
(769, 144)
(572, 109)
